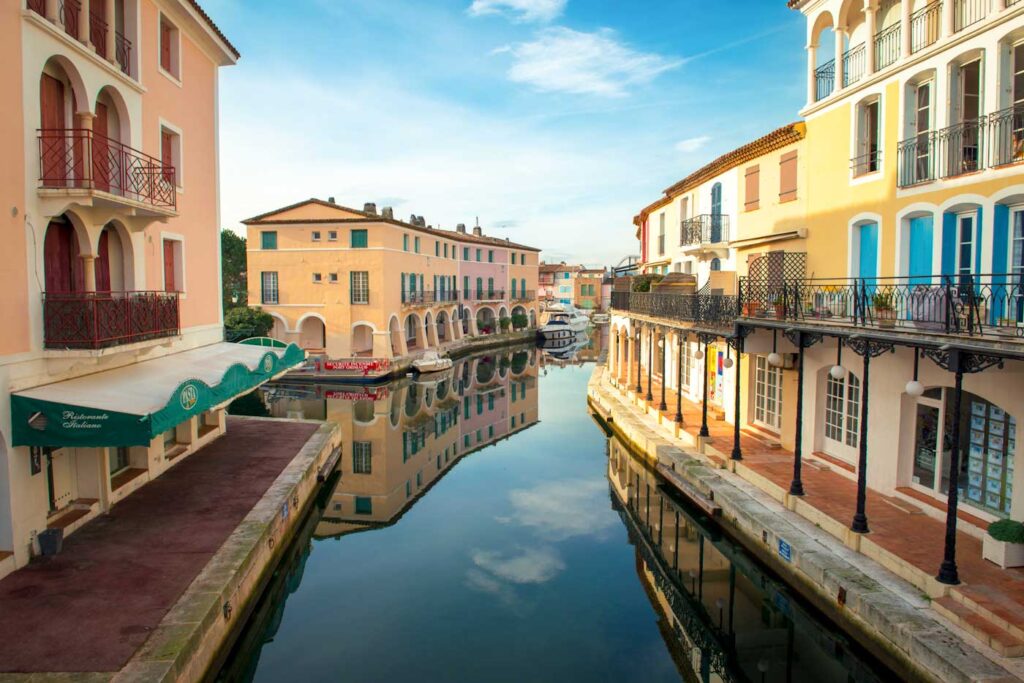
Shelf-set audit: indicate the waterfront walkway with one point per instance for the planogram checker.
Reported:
(989, 602)
(92, 606)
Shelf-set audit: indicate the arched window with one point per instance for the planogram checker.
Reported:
(716, 264)
(842, 415)
(61, 263)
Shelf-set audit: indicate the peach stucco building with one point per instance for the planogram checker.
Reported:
(112, 362)
(345, 283)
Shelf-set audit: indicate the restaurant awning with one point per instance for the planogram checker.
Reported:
(131, 405)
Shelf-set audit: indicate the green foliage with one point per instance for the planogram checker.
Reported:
(233, 265)
(520, 321)
(643, 283)
(505, 323)
(250, 321)
(1007, 531)
(882, 301)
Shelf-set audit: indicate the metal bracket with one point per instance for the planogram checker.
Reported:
(707, 338)
(963, 361)
(809, 338)
(869, 347)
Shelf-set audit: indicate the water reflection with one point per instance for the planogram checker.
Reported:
(721, 614)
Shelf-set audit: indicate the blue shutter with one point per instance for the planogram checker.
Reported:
(1000, 250)
(977, 243)
(949, 239)
(921, 246)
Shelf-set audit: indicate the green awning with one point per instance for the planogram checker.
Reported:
(131, 405)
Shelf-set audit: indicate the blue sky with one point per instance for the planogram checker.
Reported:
(554, 121)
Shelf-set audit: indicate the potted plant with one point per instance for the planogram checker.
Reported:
(884, 313)
(780, 308)
(505, 322)
(752, 309)
(1004, 543)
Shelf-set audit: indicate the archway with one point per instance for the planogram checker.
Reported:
(111, 132)
(362, 340)
(64, 272)
(312, 333)
(519, 318)
(280, 329)
(442, 327)
(485, 321)
(61, 93)
(430, 332)
(397, 348)
(414, 339)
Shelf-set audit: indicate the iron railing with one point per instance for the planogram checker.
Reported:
(474, 295)
(961, 148)
(427, 297)
(1006, 135)
(528, 295)
(123, 52)
(991, 304)
(888, 46)
(866, 163)
(916, 160)
(96, 320)
(968, 12)
(82, 159)
(709, 309)
(825, 80)
(98, 33)
(855, 63)
(705, 228)
(924, 26)
(70, 12)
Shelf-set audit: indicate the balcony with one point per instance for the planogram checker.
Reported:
(968, 12)
(989, 306)
(99, 320)
(700, 309)
(916, 160)
(864, 164)
(924, 26)
(429, 298)
(91, 29)
(703, 232)
(528, 295)
(825, 80)
(960, 147)
(80, 160)
(855, 62)
(1006, 136)
(481, 295)
(888, 46)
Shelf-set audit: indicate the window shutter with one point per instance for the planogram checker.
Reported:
(753, 189)
(169, 283)
(787, 177)
(165, 47)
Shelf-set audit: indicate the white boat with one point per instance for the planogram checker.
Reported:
(431, 361)
(564, 323)
(600, 318)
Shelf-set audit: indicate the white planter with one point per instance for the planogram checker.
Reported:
(1004, 554)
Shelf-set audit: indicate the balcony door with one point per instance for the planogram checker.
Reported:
(716, 213)
(919, 265)
(922, 132)
(767, 394)
(867, 251)
(61, 263)
(965, 248)
(52, 122)
(1017, 262)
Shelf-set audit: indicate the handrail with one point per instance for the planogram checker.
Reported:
(94, 320)
(704, 229)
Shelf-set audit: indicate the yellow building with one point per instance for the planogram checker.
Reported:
(346, 283)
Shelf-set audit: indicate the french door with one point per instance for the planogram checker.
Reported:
(767, 394)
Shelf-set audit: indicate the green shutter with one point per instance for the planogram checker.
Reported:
(268, 240)
(359, 239)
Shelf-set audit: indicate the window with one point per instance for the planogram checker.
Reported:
(174, 275)
(332, 236)
(359, 239)
(842, 415)
(364, 505)
(362, 457)
(437, 248)
(333, 278)
(316, 235)
(688, 361)
(416, 245)
(405, 243)
(479, 288)
(965, 247)
(170, 155)
(661, 233)
(767, 394)
(479, 254)
(490, 288)
(317, 278)
(465, 286)
(752, 186)
(268, 240)
(920, 149)
(490, 256)
(513, 258)
(465, 253)
(359, 286)
(446, 250)
(787, 176)
(716, 264)
(268, 288)
(118, 458)
(170, 58)
(868, 122)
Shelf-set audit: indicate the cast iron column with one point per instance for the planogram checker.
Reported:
(704, 416)
(679, 380)
(639, 353)
(860, 519)
(650, 365)
(737, 452)
(664, 378)
(796, 488)
(947, 570)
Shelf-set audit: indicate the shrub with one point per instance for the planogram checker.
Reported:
(505, 322)
(248, 321)
(520, 321)
(1007, 531)
(642, 283)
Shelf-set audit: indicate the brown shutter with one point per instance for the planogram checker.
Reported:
(753, 188)
(169, 283)
(787, 177)
(165, 47)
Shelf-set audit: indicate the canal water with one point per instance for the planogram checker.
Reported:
(484, 528)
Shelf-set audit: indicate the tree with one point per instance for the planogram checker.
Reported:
(233, 265)
(242, 323)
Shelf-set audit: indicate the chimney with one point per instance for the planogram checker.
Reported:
(412, 219)
(370, 207)
(461, 227)
(330, 200)
(388, 212)
(421, 221)
(478, 231)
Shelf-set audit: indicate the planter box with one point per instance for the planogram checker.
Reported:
(1005, 555)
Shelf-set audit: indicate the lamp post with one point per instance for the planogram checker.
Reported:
(737, 451)
(664, 378)
(679, 379)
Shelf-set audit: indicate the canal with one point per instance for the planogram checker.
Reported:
(484, 528)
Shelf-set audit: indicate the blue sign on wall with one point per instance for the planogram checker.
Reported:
(785, 551)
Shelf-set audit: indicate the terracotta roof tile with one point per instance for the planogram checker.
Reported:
(214, 27)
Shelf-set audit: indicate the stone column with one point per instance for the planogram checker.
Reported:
(83, 147)
(871, 16)
(382, 344)
(52, 13)
(947, 18)
(812, 74)
(905, 36)
(110, 16)
(89, 271)
(840, 50)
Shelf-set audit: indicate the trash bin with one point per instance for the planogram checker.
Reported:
(51, 541)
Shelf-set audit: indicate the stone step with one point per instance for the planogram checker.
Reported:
(992, 635)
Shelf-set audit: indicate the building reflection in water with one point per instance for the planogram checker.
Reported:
(723, 617)
(401, 438)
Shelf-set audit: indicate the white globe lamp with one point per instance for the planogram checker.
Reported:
(837, 372)
(775, 360)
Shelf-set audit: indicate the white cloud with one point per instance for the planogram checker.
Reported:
(691, 145)
(560, 510)
(563, 60)
(528, 566)
(522, 10)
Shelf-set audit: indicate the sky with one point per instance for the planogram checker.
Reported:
(552, 121)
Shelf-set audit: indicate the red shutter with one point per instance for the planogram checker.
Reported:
(100, 149)
(165, 47)
(169, 283)
(103, 263)
(63, 268)
(167, 154)
(51, 120)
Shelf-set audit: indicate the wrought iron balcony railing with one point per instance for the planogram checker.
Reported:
(98, 33)
(924, 26)
(704, 229)
(916, 160)
(81, 159)
(991, 304)
(97, 320)
(888, 45)
(708, 309)
(123, 52)
(968, 12)
(528, 295)
(70, 12)
(855, 64)
(427, 297)
(866, 163)
(961, 148)
(477, 295)
(825, 80)
(1006, 135)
